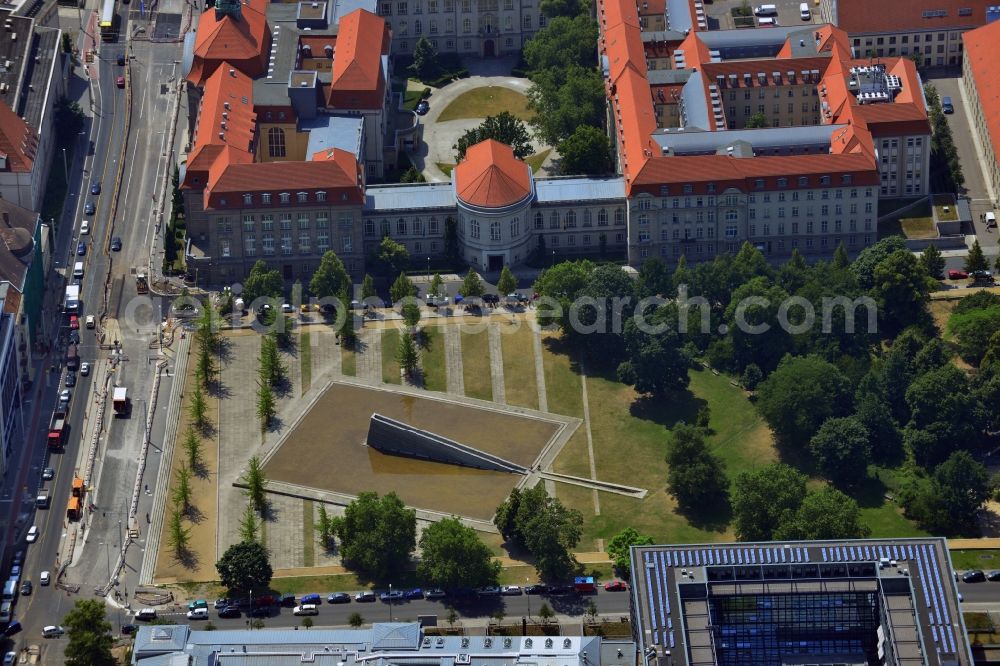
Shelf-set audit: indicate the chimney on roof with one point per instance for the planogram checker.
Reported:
(222, 135)
(225, 105)
(232, 73)
(802, 42)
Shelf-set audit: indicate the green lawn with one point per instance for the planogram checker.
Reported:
(390, 362)
(918, 227)
(520, 385)
(305, 360)
(432, 359)
(476, 365)
(975, 559)
(562, 383)
(411, 98)
(487, 101)
(348, 361)
(445, 168)
(535, 161)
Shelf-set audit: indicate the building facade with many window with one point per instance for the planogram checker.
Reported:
(982, 81)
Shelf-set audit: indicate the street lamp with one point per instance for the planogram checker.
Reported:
(390, 602)
(65, 167)
(528, 597)
(428, 267)
(553, 259)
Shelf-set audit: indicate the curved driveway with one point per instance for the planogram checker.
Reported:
(440, 137)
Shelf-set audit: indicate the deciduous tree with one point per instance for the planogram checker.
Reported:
(262, 281)
(407, 355)
(901, 291)
(586, 151)
(976, 260)
(245, 566)
(249, 524)
(256, 484)
(564, 99)
(392, 257)
(178, 536)
(330, 278)
(763, 498)
(425, 59)
(932, 261)
(402, 288)
(842, 448)
(367, 288)
(619, 545)
(800, 395)
(452, 556)
(182, 489)
(507, 282)
(655, 363)
(503, 127)
(823, 514)
(89, 634)
(198, 409)
(192, 449)
(377, 534)
(472, 285)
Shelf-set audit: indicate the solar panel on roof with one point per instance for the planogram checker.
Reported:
(934, 632)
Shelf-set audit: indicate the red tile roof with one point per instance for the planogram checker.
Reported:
(896, 16)
(243, 42)
(652, 8)
(623, 51)
(339, 177)
(491, 177)
(612, 12)
(226, 98)
(358, 81)
(18, 142)
(981, 55)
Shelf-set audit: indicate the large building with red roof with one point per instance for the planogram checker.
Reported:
(930, 30)
(982, 82)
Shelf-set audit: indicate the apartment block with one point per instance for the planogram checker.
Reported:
(982, 83)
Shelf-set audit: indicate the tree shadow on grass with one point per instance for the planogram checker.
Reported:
(186, 557)
(712, 517)
(194, 514)
(668, 410)
(200, 469)
(869, 492)
(424, 338)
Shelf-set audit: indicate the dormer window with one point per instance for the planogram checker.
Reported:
(302, 197)
(321, 196)
(222, 202)
(664, 190)
(285, 197)
(803, 181)
(688, 188)
(824, 180)
(782, 182)
(759, 183)
(845, 179)
(711, 188)
(247, 199)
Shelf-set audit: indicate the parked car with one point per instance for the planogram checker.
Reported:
(339, 598)
(95, 188)
(81, 249)
(198, 614)
(26, 588)
(954, 274)
(74, 337)
(196, 604)
(10, 659)
(32, 534)
(311, 599)
(65, 396)
(287, 600)
(415, 593)
(974, 576)
(229, 611)
(48, 474)
(616, 586)
(511, 590)
(116, 244)
(12, 628)
(129, 629)
(435, 593)
(389, 597)
(561, 590)
(489, 591)
(536, 589)
(946, 105)
(221, 603)
(52, 631)
(364, 596)
(15, 572)
(85, 367)
(74, 322)
(265, 600)
(44, 578)
(993, 575)
(84, 227)
(120, 81)
(261, 611)
(19, 555)
(121, 59)
(70, 380)
(306, 609)
(422, 107)
(89, 208)
(90, 322)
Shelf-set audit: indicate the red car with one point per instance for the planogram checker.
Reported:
(954, 274)
(74, 322)
(616, 586)
(120, 82)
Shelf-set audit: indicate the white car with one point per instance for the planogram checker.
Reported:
(84, 227)
(84, 369)
(32, 534)
(306, 609)
(65, 395)
(510, 590)
(44, 578)
(53, 631)
(198, 614)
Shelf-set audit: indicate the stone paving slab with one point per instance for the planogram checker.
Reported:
(284, 528)
(369, 354)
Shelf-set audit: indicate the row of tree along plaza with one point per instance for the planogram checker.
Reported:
(907, 401)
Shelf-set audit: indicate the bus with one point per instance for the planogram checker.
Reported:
(109, 22)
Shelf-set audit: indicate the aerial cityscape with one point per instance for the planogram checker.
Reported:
(500, 332)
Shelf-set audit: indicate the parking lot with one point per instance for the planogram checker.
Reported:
(788, 12)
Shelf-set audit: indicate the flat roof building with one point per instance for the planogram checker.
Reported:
(866, 601)
(399, 644)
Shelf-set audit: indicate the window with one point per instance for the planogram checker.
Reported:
(249, 245)
(302, 197)
(619, 216)
(526, 22)
(515, 227)
(432, 226)
(466, 25)
(494, 231)
(587, 218)
(539, 220)
(286, 244)
(474, 228)
(401, 227)
(304, 243)
(248, 223)
(571, 220)
(285, 197)
(384, 228)
(346, 244)
(323, 242)
(276, 142)
(418, 227)
(247, 199)
(369, 228)
(553, 220)
(303, 222)
(401, 8)
(602, 218)
(418, 27)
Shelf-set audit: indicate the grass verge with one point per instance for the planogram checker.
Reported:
(305, 358)
(432, 362)
(535, 161)
(348, 361)
(487, 101)
(445, 168)
(520, 384)
(390, 362)
(476, 365)
(975, 559)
